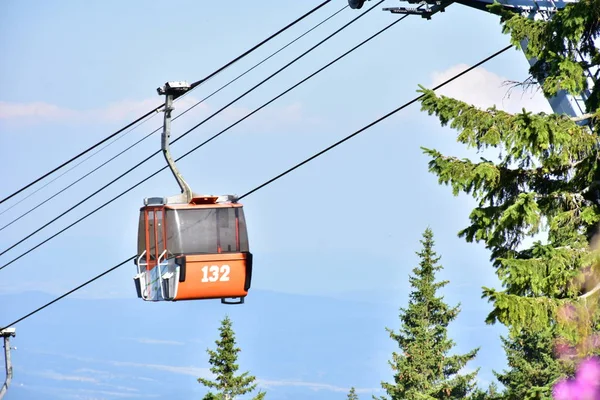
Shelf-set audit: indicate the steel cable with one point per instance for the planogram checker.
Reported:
(451, 79)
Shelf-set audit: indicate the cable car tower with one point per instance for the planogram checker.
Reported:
(6, 334)
(563, 102)
(191, 246)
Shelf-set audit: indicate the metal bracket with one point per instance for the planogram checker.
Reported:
(427, 12)
(175, 88)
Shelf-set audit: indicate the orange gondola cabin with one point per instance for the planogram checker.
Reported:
(191, 246)
(193, 251)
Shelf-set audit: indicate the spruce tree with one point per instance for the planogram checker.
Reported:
(352, 394)
(532, 365)
(424, 367)
(546, 178)
(224, 367)
(491, 393)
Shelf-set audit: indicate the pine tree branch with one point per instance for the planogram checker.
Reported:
(591, 292)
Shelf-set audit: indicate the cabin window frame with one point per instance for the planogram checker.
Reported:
(226, 223)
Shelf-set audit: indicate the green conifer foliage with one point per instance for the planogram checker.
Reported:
(424, 367)
(532, 366)
(546, 178)
(352, 394)
(224, 367)
(491, 393)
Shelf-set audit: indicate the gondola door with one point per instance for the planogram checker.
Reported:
(153, 253)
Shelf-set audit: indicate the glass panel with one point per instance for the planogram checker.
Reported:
(159, 231)
(243, 232)
(226, 225)
(203, 230)
(141, 245)
(151, 245)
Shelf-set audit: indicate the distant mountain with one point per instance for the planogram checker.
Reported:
(299, 346)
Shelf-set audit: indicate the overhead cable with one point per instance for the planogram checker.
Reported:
(70, 291)
(194, 85)
(160, 151)
(283, 174)
(61, 175)
(156, 130)
(378, 120)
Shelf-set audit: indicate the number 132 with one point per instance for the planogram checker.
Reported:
(216, 273)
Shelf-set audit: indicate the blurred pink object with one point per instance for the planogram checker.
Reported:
(585, 386)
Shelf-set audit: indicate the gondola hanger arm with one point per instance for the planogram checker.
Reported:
(172, 90)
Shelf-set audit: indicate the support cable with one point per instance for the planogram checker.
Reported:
(371, 124)
(282, 174)
(63, 174)
(156, 130)
(172, 142)
(194, 85)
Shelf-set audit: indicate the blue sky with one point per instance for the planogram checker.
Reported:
(341, 230)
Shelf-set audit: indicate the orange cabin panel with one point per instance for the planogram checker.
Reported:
(211, 276)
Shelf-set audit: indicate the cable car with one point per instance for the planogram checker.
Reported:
(190, 246)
